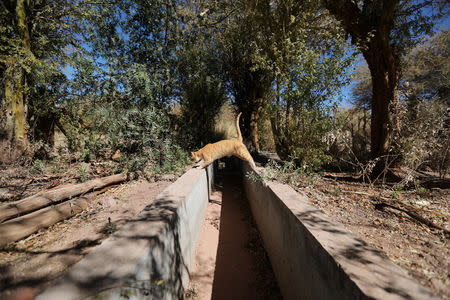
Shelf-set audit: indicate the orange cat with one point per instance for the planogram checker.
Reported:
(223, 148)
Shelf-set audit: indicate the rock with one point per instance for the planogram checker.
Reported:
(108, 201)
(167, 177)
(5, 195)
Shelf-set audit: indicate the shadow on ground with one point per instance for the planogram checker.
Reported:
(242, 270)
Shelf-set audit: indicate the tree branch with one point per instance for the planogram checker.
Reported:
(429, 223)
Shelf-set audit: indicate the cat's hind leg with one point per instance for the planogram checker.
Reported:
(251, 162)
(245, 155)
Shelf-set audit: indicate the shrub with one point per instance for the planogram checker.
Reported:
(300, 138)
(143, 136)
(423, 141)
(349, 143)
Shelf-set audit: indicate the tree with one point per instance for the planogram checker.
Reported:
(425, 125)
(242, 36)
(426, 72)
(261, 42)
(34, 41)
(383, 30)
(14, 139)
(307, 56)
(421, 135)
(202, 91)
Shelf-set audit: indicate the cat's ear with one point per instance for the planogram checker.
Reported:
(192, 153)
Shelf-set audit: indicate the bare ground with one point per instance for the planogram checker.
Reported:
(46, 255)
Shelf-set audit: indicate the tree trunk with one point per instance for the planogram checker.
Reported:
(55, 195)
(254, 117)
(22, 227)
(381, 127)
(383, 64)
(45, 129)
(281, 147)
(278, 124)
(250, 105)
(370, 28)
(15, 142)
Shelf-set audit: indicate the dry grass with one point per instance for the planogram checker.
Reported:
(225, 126)
(225, 122)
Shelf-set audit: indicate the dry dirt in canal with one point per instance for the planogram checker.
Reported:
(230, 260)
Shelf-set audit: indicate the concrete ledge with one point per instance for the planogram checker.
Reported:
(315, 258)
(150, 256)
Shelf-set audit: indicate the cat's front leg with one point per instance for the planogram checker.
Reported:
(205, 164)
(198, 164)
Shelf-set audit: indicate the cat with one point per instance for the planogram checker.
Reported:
(223, 148)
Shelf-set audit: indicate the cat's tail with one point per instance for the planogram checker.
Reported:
(237, 127)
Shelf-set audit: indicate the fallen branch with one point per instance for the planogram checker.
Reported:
(429, 223)
(55, 195)
(21, 227)
(399, 202)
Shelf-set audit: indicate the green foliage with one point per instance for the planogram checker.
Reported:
(301, 113)
(125, 81)
(421, 137)
(43, 47)
(109, 228)
(413, 20)
(255, 177)
(82, 172)
(405, 22)
(395, 194)
(301, 138)
(295, 53)
(427, 71)
(388, 30)
(144, 137)
(284, 172)
(396, 191)
(133, 63)
(336, 191)
(420, 189)
(201, 90)
(39, 166)
(425, 75)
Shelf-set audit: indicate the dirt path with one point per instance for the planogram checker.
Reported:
(230, 263)
(39, 259)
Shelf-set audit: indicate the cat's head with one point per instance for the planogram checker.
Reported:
(195, 157)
